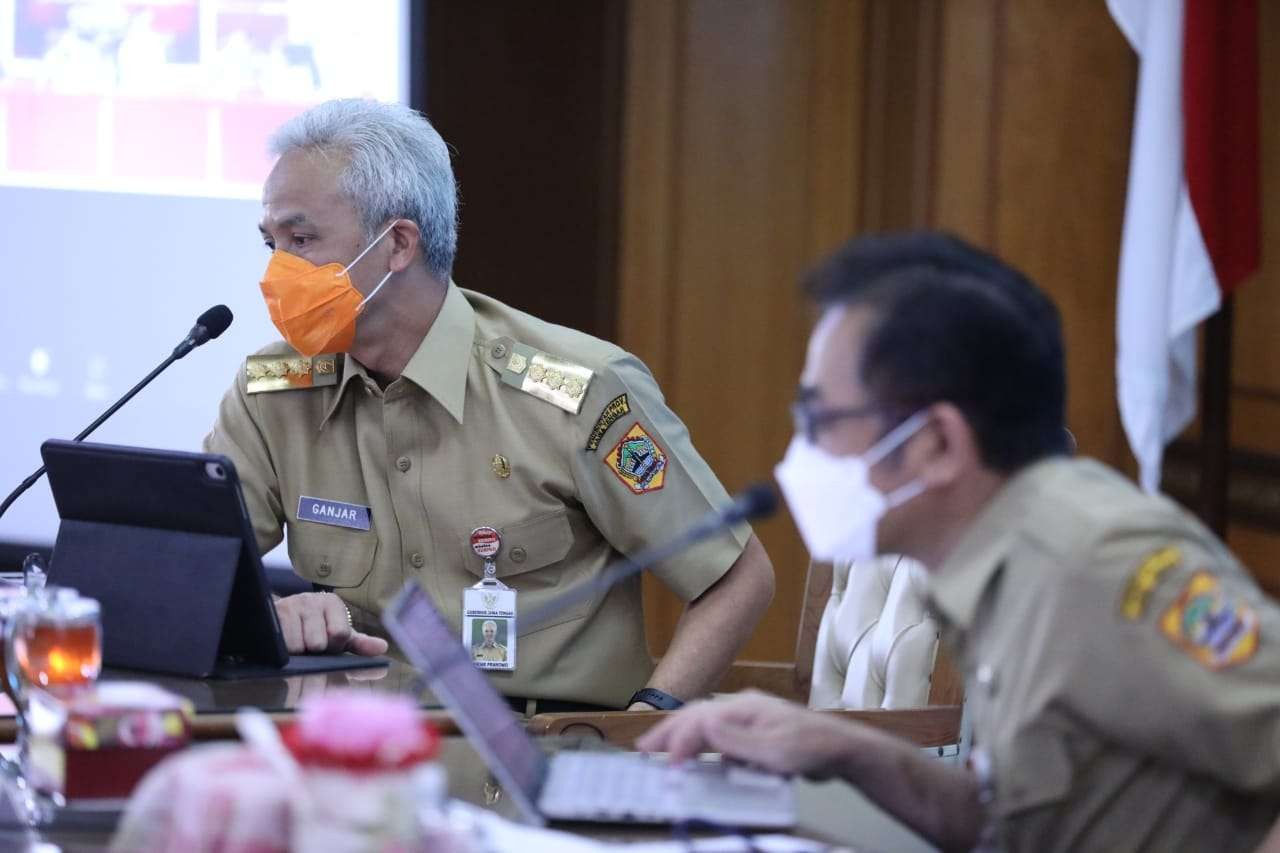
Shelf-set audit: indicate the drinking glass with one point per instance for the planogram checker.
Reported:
(58, 646)
(53, 645)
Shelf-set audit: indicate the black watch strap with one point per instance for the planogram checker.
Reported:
(656, 698)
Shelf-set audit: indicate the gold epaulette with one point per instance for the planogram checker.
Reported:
(289, 371)
(547, 377)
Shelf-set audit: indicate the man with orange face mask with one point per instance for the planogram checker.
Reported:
(406, 428)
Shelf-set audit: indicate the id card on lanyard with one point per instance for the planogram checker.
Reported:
(489, 609)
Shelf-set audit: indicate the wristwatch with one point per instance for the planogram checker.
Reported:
(658, 699)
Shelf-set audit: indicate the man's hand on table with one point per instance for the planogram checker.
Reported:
(757, 729)
(317, 622)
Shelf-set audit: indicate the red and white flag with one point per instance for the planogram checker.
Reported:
(1191, 224)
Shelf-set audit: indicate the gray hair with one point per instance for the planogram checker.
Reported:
(397, 168)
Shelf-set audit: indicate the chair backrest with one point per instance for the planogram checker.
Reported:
(866, 645)
(877, 645)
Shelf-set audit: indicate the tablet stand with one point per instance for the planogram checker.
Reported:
(164, 593)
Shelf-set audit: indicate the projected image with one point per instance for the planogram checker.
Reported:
(132, 154)
(176, 96)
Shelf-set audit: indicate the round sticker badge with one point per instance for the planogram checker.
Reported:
(486, 542)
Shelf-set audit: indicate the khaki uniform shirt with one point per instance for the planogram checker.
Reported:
(497, 653)
(570, 493)
(1122, 670)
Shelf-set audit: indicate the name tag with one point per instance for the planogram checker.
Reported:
(336, 513)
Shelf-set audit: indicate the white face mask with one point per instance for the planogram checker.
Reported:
(832, 499)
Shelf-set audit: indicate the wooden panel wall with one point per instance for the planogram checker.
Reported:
(742, 120)
(1032, 149)
(758, 134)
(530, 104)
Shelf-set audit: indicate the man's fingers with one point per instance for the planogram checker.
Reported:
(344, 638)
(315, 631)
(338, 627)
(314, 623)
(291, 628)
(655, 739)
(290, 625)
(743, 744)
(364, 644)
(660, 730)
(658, 738)
(689, 740)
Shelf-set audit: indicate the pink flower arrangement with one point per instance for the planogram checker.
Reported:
(360, 731)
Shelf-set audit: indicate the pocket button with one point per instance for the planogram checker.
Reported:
(418, 560)
(518, 555)
(325, 570)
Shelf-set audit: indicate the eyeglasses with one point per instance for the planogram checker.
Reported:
(810, 421)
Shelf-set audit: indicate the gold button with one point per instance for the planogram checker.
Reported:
(404, 463)
(499, 351)
(518, 555)
(325, 570)
(418, 560)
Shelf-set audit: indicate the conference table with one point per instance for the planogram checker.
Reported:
(831, 812)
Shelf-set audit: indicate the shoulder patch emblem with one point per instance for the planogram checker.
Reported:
(616, 408)
(1214, 630)
(1144, 580)
(638, 461)
(289, 372)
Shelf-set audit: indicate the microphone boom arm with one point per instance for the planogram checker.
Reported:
(209, 325)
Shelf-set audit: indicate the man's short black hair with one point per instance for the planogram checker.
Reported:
(952, 323)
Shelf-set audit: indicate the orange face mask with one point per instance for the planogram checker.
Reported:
(315, 308)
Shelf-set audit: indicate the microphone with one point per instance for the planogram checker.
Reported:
(756, 501)
(209, 325)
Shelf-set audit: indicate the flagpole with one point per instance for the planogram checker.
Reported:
(1215, 419)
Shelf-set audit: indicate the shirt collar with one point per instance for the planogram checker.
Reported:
(957, 587)
(439, 366)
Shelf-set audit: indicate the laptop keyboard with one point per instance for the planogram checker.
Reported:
(628, 787)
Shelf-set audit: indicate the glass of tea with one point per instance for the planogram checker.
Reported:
(57, 642)
(53, 644)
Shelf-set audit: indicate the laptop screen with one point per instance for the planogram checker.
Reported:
(480, 711)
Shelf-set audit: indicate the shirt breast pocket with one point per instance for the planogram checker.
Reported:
(532, 562)
(334, 557)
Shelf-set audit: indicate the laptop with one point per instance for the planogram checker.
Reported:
(163, 540)
(608, 787)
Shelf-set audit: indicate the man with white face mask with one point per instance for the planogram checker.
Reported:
(1120, 665)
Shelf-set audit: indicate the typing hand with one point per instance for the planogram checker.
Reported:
(754, 728)
(316, 622)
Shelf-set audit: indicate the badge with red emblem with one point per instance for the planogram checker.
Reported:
(486, 542)
(489, 608)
